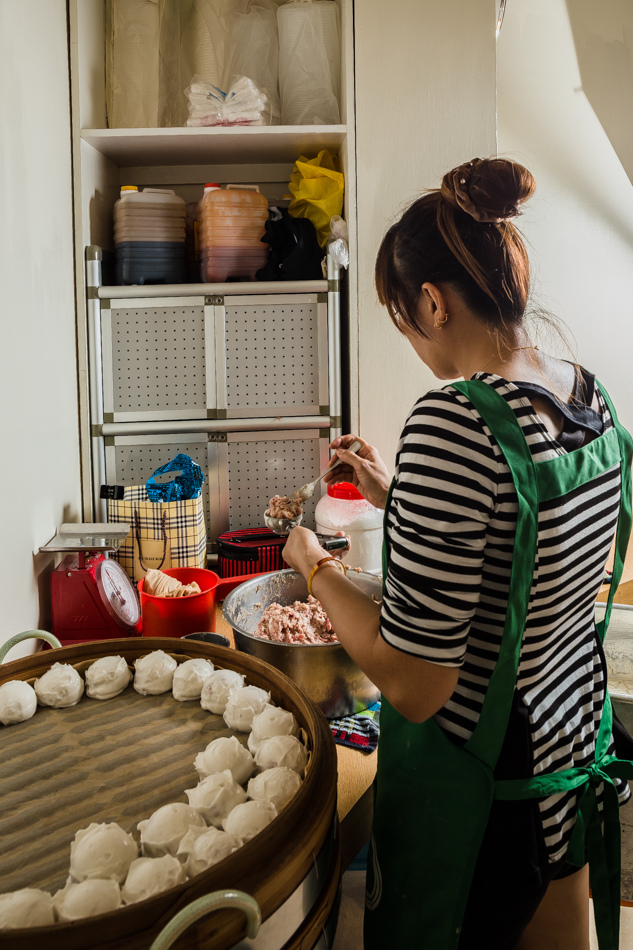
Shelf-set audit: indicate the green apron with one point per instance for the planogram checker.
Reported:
(433, 798)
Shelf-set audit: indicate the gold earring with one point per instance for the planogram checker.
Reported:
(440, 321)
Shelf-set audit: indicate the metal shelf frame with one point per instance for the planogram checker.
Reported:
(180, 346)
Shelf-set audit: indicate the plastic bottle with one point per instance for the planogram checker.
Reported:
(149, 236)
(231, 223)
(344, 509)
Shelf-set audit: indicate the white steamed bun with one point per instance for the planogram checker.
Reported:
(59, 687)
(26, 908)
(227, 752)
(242, 705)
(215, 796)
(18, 702)
(102, 851)
(284, 751)
(217, 688)
(163, 831)
(271, 721)
(86, 899)
(276, 785)
(154, 673)
(107, 677)
(149, 876)
(249, 819)
(201, 849)
(189, 679)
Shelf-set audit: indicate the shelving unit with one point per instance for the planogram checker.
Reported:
(278, 143)
(183, 159)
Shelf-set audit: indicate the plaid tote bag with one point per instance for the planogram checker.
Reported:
(162, 534)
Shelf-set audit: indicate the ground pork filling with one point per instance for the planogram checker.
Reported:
(297, 623)
(281, 506)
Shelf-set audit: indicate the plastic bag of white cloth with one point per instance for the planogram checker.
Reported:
(243, 104)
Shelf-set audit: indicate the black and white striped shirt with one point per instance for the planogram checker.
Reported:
(451, 528)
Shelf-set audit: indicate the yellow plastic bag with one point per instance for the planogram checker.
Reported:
(316, 186)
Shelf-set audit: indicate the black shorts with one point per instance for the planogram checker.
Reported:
(510, 879)
(513, 871)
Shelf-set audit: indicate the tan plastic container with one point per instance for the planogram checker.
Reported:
(152, 200)
(158, 232)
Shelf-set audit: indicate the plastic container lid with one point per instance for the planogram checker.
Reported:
(344, 490)
(126, 189)
(210, 185)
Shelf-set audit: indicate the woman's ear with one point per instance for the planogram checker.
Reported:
(436, 300)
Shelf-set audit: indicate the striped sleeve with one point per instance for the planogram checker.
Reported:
(445, 491)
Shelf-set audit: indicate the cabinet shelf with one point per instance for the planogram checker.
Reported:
(235, 145)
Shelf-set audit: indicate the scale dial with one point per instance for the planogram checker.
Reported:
(117, 593)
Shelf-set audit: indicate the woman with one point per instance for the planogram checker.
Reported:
(498, 526)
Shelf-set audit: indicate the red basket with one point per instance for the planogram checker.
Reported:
(250, 551)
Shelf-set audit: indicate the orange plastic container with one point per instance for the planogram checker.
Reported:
(222, 263)
(177, 616)
(239, 213)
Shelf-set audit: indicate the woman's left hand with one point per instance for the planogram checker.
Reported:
(302, 550)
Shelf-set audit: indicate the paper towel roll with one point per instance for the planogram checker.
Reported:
(309, 62)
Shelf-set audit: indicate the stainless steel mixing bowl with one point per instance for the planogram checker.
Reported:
(324, 672)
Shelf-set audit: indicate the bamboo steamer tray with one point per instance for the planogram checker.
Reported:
(119, 760)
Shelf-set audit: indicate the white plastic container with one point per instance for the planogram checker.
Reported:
(344, 509)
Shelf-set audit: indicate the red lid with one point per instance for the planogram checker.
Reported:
(344, 490)
(211, 184)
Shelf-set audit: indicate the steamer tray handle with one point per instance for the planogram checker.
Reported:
(203, 906)
(27, 635)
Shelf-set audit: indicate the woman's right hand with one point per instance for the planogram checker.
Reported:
(364, 469)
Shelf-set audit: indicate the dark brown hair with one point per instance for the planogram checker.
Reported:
(459, 235)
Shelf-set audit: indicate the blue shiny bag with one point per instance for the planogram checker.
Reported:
(186, 481)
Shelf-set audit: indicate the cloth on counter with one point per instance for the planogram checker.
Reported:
(360, 731)
(158, 584)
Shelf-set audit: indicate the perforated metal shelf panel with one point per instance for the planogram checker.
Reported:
(262, 464)
(131, 461)
(242, 471)
(276, 356)
(155, 360)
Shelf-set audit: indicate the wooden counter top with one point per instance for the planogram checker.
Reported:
(356, 772)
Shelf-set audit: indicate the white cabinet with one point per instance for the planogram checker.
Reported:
(212, 357)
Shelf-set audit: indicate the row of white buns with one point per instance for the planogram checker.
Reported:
(155, 673)
(178, 840)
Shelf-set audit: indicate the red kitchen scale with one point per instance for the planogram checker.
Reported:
(92, 598)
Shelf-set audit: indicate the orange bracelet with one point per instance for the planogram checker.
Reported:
(319, 564)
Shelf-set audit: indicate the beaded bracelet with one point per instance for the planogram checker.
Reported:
(319, 564)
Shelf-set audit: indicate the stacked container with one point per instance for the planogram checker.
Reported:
(149, 237)
(231, 223)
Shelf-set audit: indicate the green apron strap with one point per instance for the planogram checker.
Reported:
(487, 739)
(624, 518)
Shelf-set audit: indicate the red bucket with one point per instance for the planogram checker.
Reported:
(177, 616)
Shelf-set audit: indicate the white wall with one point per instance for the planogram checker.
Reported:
(425, 102)
(580, 222)
(39, 475)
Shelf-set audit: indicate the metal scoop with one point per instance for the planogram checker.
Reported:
(285, 525)
(306, 491)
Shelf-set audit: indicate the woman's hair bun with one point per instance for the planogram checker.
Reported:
(488, 189)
